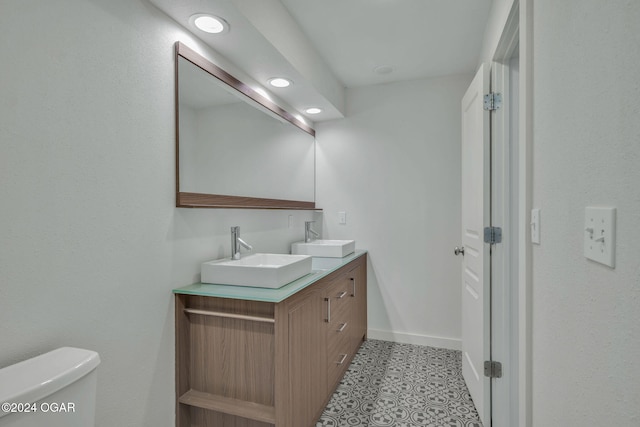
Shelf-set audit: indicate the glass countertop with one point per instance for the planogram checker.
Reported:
(320, 268)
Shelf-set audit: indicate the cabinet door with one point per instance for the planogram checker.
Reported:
(307, 360)
(358, 289)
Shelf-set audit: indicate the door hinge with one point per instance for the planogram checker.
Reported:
(492, 235)
(492, 101)
(492, 369)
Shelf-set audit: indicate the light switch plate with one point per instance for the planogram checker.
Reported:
(600, 235)
(342, 217)
(535, 226)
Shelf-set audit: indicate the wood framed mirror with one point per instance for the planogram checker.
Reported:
(234, 147)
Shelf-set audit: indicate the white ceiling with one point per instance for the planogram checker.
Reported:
(417, 38)
(327, 45)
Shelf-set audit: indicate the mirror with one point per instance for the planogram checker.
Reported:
(234, 147)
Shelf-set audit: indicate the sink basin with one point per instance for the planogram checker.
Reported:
(325, 248)
(258, 270)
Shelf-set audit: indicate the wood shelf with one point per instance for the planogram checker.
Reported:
(201, 200)
(241, 408)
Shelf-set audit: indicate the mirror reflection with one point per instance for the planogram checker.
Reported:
(230, 145)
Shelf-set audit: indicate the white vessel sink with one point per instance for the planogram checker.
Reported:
(325, 248)
(258, 270)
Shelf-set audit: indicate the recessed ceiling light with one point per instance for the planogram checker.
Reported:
(383, 69)
(280, 82)
(209, 23)
(313, 110)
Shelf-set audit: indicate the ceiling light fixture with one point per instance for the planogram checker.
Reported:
(313, 110)
(280, 82)
(383, 69)
(209, 23)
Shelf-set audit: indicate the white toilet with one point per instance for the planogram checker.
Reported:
(55, 389)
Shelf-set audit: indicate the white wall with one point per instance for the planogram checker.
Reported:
(393, 164)
(91, 241)
(586, 151)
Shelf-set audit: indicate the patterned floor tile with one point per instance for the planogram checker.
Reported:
(401, 385)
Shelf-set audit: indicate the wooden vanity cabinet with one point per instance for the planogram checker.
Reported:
(242, 363)
(358, 282)
(307, 353)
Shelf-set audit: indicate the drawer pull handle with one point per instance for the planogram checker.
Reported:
(353, 282)
(229, 315)
(341, 328)
(328, 300)
(342, 294)
(342, 359)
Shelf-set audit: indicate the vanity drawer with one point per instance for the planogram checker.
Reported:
(337, 295)
(339, 326)
(338, 359)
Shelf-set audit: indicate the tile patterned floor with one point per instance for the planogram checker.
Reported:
(402, 385)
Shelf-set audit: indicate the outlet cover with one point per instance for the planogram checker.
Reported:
(600, 235)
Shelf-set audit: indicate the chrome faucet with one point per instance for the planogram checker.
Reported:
(237, 242)
(308, 231)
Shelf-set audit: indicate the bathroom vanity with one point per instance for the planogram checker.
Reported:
(257, 357)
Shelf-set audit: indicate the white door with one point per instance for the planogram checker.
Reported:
(475, 259)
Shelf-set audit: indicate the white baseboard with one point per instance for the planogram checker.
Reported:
(407, 338)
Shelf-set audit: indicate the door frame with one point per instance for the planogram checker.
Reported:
(504, 214)
(517, 33)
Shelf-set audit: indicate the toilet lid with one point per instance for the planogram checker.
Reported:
(33, 379)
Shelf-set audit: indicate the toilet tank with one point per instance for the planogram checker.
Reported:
(55, 389)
